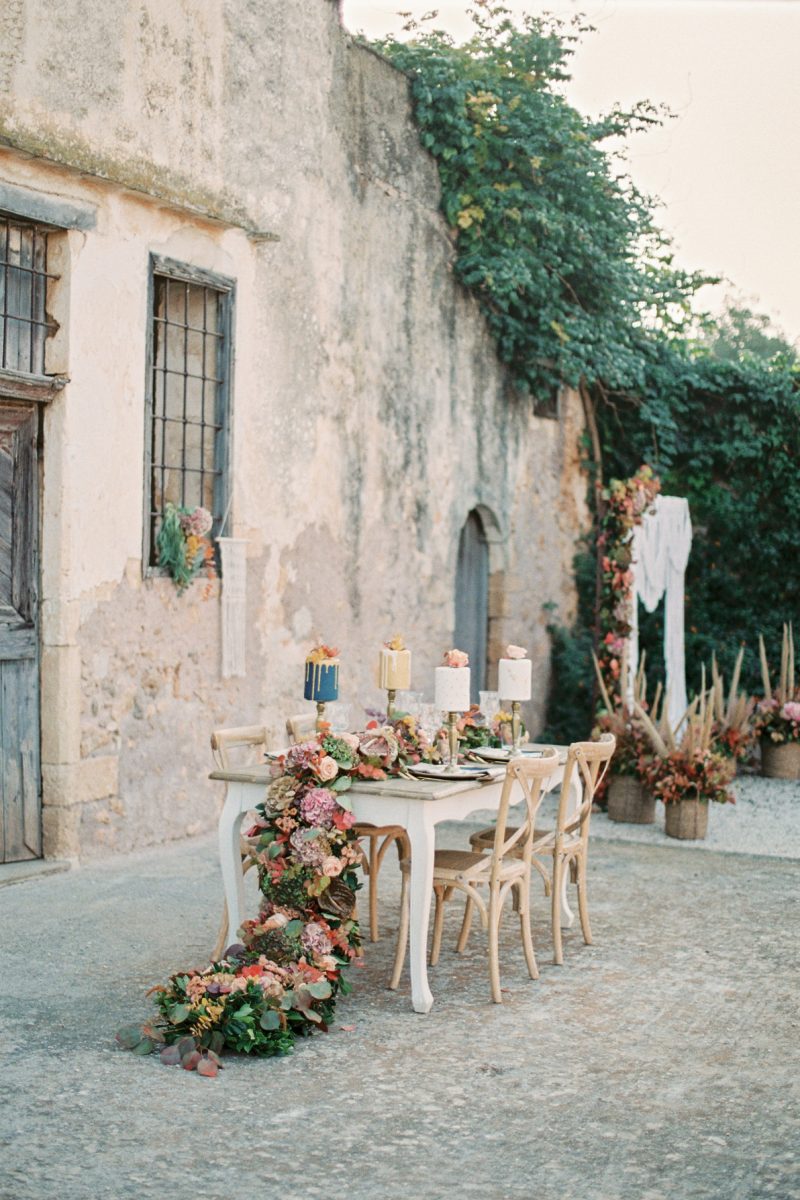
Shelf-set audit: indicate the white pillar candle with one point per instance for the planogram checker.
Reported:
(452, 689)
(514, 678)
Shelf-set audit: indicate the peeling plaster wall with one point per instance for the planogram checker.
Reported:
(370, 414)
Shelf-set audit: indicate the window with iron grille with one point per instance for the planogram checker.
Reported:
(23, 295)
(188, 421)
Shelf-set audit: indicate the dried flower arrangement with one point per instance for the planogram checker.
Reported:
(733, 729)
(183, 546)
(778, 714)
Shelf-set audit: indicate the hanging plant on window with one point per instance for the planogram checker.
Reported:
(184, 549)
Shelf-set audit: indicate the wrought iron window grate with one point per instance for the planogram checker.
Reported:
(23, 296)
(188, 399)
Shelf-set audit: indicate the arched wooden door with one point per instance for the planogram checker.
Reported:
(472, 599)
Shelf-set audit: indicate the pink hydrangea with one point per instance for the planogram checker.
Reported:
(318, 806)
(314, 939)
(791, 710)
(311, 851)
(301, 756)
(197, 523)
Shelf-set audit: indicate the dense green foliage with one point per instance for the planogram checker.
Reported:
(726, 436)
(560, 247)
(578, 286)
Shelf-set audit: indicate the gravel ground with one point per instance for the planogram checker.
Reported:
(657, 1064)
(764, 820)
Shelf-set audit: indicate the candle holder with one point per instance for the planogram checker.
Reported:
(320, 714)
(516, 728)
(390, 698)
(452, 738)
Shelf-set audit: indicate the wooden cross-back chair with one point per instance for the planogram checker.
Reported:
(252, 740)
(378, 837)
(507, 869)
(567, 845)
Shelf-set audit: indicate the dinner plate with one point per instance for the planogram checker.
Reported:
(500, 754)
(437, 771)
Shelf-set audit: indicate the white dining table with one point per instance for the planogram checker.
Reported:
(418, 805)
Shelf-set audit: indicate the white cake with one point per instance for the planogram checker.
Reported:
(394, 669)
(452, 689)
(514, 678)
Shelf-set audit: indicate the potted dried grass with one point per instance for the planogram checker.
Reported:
(733, 728)
(627, 796)
(778, 715)
(688, 774)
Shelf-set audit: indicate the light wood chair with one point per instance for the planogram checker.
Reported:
(301, 727)
(507, 869)
(566, 846)
(378, 837)
(253, 740)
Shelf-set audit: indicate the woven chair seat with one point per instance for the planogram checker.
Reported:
(453, 865)
(543, 841)
(484, 838)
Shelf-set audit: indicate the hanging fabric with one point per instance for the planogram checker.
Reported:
(233, 559)
(660, 552)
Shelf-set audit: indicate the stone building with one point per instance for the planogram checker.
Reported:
(225, 279)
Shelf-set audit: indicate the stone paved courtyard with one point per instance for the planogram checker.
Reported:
(659, 1063)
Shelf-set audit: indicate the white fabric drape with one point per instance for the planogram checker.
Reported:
(233, 559)
(660, 552)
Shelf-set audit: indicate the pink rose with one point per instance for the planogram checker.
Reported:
(791, 710)
(349, 739)
(332, 866)
(456, 658)
(328, 768)
(515, 652)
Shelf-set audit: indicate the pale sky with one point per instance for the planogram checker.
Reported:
(728, 167)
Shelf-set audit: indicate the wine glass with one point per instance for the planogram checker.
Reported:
(338, 714)
(409, 703)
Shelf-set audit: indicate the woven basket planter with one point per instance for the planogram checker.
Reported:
(629, 800)
(780, 760)
(686, 819)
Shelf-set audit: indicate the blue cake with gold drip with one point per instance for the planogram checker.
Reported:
(322, 675)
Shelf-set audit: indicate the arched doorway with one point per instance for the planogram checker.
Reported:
(472, 599)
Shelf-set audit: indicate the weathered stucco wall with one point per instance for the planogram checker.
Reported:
(370, 414)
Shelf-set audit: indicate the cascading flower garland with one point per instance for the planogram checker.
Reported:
(627, 501)
(282, 980)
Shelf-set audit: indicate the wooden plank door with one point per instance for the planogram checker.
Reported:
(472, 600)
(20, 771)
